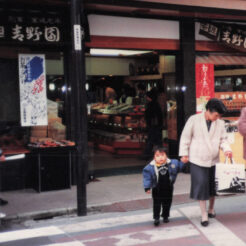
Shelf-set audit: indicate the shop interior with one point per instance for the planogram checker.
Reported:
(116, 128)
(116, 106)
(116, 123)
(117, 132)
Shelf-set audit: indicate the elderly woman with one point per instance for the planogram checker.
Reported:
(203, 136)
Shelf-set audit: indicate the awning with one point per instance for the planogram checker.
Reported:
(222, 60)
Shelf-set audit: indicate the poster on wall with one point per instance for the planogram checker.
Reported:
(32, 82)
(204, 85)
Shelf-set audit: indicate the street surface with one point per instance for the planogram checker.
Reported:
(136, 228)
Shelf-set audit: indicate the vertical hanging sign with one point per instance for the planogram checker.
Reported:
(204, 85)
(32, 81)
(77, 37)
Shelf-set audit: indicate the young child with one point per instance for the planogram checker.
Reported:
(160, 175)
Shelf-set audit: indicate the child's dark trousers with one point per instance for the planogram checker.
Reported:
(162, 199)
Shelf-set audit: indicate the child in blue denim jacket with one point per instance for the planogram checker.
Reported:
(160, 175)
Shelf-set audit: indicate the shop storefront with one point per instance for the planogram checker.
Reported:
(33, 119)
(117, 128)
(134, 62)
(115, 132)
(167, 47)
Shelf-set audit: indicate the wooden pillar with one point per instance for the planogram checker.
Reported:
(187, 66)
(78, 104)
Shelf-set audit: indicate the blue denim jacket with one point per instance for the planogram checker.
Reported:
(150, 172)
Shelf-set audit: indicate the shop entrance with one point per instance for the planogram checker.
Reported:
(117, 88)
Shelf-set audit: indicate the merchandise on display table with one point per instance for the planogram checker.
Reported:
(121, 108)
(52, 134)
(13, 141)
(48, 142)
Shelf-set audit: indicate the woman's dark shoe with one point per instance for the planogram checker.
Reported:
(3, 202)
(156, 222)
(204, 223)
(210, 215)
(165, 220)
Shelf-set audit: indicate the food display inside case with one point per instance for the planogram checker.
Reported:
(119, 129)
(233, 100)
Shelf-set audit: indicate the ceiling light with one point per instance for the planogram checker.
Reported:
(113, 52)
(52, 87)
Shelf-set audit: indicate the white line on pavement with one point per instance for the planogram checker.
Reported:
(73, 243)
(142, 237)
(29, 233)
(216, 232)
(151, 236)
(112, 222)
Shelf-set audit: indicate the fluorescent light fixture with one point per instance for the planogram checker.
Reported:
(52, 87)
(15, 157)
(114, 52)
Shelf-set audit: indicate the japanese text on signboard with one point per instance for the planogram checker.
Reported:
(230, 35)
(18, 28)
(204, 84)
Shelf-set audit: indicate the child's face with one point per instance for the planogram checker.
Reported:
(160, 157)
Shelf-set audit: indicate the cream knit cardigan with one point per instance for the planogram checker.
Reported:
(200, 145)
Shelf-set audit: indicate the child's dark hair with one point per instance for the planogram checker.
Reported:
(161, 149)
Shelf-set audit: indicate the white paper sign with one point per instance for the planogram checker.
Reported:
(77, 37)
(33, 99)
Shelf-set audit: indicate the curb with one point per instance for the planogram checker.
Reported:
(39, 215)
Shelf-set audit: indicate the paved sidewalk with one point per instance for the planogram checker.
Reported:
(114, 193)
(136, 228)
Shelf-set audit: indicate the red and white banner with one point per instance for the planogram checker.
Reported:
(204, 85)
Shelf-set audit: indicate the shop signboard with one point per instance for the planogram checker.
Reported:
(32, 83)
(204, 85)
(25, 27)
(230, 35)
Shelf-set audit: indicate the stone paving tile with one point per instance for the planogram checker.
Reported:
(140, 204)
(235, 222)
